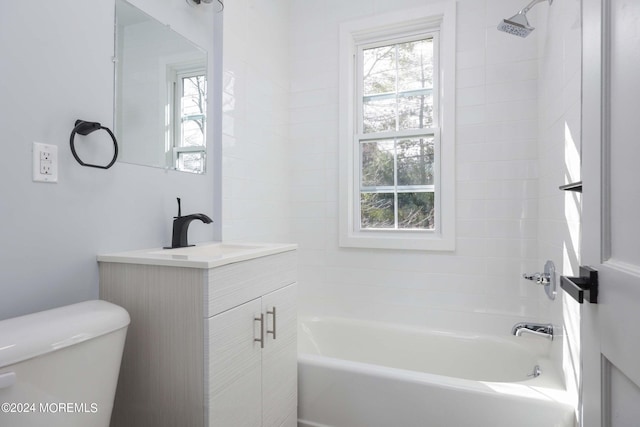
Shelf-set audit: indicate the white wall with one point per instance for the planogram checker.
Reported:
(559, 158)
(497, 180)
(256, 155)
(56, 68)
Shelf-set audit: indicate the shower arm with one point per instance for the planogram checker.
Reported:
(528, 7)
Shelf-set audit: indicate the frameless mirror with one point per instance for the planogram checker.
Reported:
(160, 93)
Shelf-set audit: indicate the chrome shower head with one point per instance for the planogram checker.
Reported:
(198, 2)
(518, 25)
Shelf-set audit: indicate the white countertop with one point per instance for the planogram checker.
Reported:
(202, 255)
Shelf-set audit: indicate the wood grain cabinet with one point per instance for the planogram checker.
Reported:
(207, 347)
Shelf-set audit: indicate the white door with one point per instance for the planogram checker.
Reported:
(611, 211)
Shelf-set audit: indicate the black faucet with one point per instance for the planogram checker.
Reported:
(181, 226)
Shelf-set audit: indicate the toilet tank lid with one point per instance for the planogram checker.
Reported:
(32, 335)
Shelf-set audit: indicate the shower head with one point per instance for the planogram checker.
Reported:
(198, 2)
(518, 25)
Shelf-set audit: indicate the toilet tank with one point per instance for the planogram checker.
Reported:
(60, 367)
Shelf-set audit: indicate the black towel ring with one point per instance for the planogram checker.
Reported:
(85, 128)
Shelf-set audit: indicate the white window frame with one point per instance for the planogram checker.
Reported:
(173, 144)
(438, 19)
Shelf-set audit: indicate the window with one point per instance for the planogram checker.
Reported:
(396, 170)
(189, 94)
(396, 138)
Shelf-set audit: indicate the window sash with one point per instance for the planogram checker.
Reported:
(361, 137)
(400, 93)
(397, 189)
(360, 97)
(178, 117)
(177, 157)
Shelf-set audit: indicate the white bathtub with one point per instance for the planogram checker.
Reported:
(366, 374)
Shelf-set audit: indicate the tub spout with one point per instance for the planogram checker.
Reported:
(544, 330)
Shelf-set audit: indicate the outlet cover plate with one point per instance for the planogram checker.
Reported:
(45, 162)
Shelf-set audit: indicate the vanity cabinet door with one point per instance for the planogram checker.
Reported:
(279, 358)
(235, 371)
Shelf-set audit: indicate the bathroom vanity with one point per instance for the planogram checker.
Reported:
(212, 340)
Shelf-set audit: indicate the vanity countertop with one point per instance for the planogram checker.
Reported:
(202, 255)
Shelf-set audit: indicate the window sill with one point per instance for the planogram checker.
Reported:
(421, 241)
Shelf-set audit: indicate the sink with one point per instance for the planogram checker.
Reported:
(204, 255)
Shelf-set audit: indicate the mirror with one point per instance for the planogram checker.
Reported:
(160, 93)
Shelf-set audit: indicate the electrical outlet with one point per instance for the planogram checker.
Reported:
(45, 162)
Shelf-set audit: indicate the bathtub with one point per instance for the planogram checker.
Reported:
(366, 374)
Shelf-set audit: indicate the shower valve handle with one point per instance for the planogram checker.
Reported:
(539, 278)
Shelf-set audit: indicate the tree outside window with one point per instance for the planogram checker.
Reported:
(397, 136)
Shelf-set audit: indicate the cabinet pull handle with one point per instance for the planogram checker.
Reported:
(261, 339)
(272, 332)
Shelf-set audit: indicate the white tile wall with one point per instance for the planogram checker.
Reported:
(281, 161)
(559, 143)
(559, 160)
(256, 150)
(497, 180)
